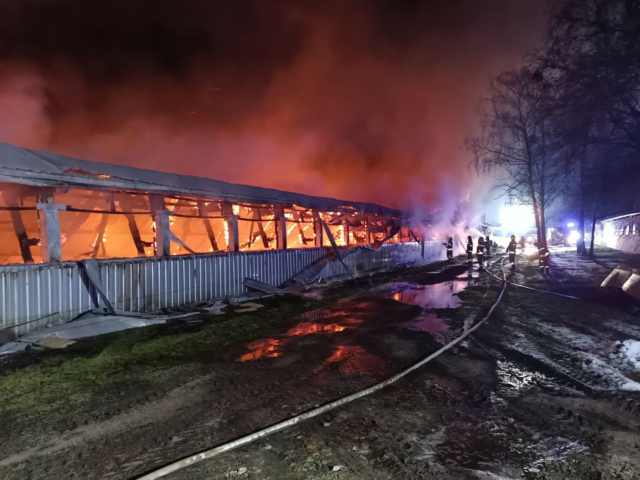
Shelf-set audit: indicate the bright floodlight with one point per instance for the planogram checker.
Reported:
(516, 218)
(574, 237)
(571, 224)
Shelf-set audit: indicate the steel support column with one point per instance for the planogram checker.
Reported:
(163, 239)
(345, 231)
(317, 228)
(233, 233)
(49, 220)
(231, 220)
(281, 228)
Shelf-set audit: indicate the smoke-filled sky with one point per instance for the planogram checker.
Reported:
(363, 100)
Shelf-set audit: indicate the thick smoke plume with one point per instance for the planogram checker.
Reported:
(364, 100)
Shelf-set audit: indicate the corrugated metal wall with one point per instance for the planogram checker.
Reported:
(51, 293)
(147, 285)
(390, 255)
(48, 294)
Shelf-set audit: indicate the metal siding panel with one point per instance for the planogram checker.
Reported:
(153, 283)
(3, 293)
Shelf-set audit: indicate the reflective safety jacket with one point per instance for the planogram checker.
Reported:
(448, 244)
(480, 250)
(543, 253)
(470, 247)
(512, 246)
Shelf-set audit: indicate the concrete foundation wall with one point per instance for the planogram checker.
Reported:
(35, 296)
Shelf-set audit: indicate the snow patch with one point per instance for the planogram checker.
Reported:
(609, 374)
(630, 351)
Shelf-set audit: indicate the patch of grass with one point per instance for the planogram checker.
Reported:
(108, 359)
(151, 358)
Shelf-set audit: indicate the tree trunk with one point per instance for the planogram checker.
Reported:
(543, 225)
(534, 201)
(593, 234)
(581, 248)
(543, 200)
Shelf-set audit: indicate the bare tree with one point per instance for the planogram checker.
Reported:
(594, 43)
(517, 142)
(593, 54)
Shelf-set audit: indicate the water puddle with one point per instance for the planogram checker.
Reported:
(427, 322)
(272, 347)
(440, 295)
(350, 313)
(351, 358)
(470, 275)
(269, 348)
(355, 359)
(308, 328)
(315, 293)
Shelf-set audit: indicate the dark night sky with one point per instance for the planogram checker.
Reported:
(361, 99)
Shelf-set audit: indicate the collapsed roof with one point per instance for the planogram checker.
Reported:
(46, 169)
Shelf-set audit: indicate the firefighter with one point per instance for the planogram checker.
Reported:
(521, 242)
(512, 251)
(449, 245)
(480, 253)
(469, 249)
(487, 244)
(543, 256)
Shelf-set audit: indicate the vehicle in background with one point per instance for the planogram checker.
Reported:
(564, 236)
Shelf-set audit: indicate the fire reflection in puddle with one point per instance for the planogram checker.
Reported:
(307, 328)
(262, 348)
(355, 359)
(315, 293)
(470, 275)
(440, 295)
(351, 358)
(271, 348)
(429, 322)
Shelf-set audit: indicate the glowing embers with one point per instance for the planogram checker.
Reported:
(440, 295)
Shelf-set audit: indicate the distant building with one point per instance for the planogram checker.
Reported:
(621, 233)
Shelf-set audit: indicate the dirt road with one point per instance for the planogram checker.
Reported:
(547, 388)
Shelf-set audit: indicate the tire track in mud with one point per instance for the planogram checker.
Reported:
(544, 379)
(553, 342)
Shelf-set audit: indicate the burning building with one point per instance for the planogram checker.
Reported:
(76, 235)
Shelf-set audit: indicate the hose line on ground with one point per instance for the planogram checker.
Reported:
(198, 457)
(524, 286)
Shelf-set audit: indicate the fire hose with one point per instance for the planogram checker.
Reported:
(198, 457)
(524, 286)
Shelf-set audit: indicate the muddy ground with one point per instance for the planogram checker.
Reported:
(541, 391)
